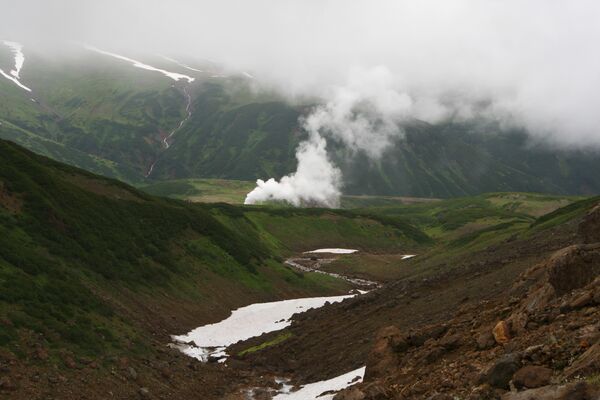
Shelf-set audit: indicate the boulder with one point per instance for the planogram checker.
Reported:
(572, 391)
(589, 227)
(502, 371)
(573, 267)
(384, 355)
(532, 376)
(501, 332)
(451, 341)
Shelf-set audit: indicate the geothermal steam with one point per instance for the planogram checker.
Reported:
(364, 116)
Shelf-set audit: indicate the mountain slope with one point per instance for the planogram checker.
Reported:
(105, 115)
(87, 262)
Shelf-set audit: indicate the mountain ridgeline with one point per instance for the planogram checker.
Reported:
(106, 116)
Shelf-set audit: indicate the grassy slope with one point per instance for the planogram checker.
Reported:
(93, 265)
(97, 106)
(460, 228)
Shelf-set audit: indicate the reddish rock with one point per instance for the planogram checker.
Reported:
(532, 376)
(384, 355)
(501, 332)
(583, 300)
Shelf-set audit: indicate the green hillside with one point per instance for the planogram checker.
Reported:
(108, 117)
(85, 261)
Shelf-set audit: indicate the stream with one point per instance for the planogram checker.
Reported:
(165, 141)
(210, 342)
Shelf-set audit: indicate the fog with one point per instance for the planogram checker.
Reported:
(375, 64)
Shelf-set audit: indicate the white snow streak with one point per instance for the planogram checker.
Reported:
(181, 64)
(173, 75)
(244, 323)
(17, 50)
(312, 391)
(407, 256)
(333, 251)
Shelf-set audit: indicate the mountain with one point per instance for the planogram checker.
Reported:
(104, 114)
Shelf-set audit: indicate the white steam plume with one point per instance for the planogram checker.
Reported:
(316, 181)
(363, 115)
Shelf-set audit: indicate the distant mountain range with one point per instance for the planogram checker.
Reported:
(116, 115)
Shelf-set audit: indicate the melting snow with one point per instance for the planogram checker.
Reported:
(333, 251)
(181, 64)
(244, 323)
(17, 50)
(312, 391)
(173, 75)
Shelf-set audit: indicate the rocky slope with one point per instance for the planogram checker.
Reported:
(543, 344)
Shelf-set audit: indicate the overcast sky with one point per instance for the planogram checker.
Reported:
(533, 63)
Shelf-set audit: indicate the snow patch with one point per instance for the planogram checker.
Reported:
(15, 80)
(173, 75)
(407, 256)
(14, 75)
(332, 251)
(17, 50)
(181, 64)
(312, 391)
(246, 322)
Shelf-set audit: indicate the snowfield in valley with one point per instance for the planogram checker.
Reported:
(332, 251)
(245, 323)
(311, 391)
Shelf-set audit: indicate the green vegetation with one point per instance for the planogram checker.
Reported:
(75, 247)
(202, 190)
(108, 117)
(278, 339)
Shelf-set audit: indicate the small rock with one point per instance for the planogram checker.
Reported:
(144, 393)
(451, 342)
(500, 374)
(532, 376)
(132, 373)
(70, 362)
(485, 340)
(501, 332)
(585, 299)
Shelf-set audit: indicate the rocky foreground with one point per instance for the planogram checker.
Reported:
(540, 341)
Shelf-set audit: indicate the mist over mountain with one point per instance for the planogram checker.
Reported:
(358, 77)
